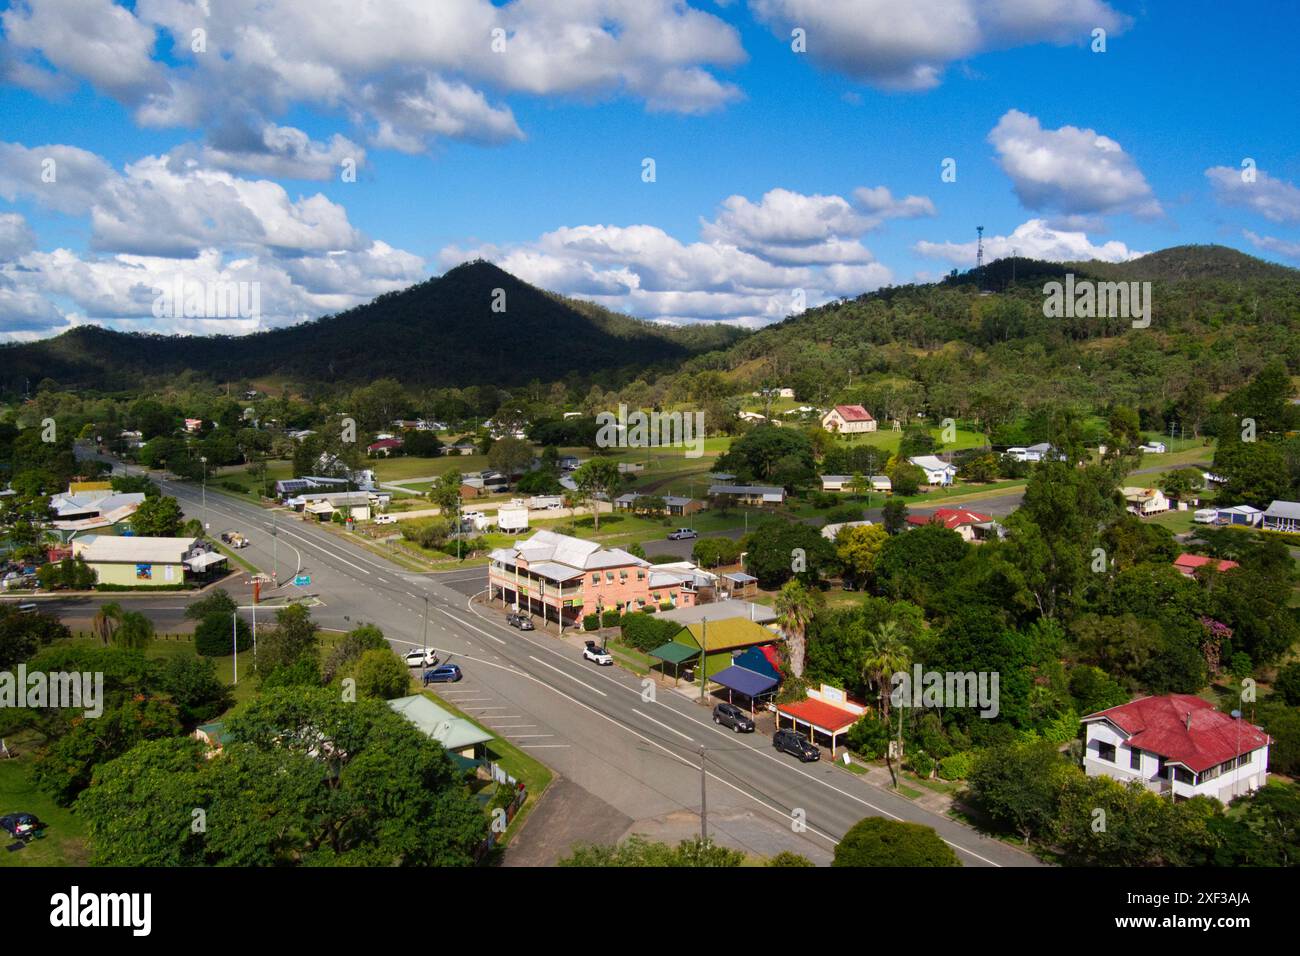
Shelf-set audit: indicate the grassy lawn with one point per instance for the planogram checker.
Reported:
(1176, 521)
(65, 840)
(630, 657)
(887, 440)
(406, 466)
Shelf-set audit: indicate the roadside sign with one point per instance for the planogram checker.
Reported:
(302, 580)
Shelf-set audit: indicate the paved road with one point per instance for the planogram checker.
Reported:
(594, 726)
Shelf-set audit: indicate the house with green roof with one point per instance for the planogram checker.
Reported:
(459, 735)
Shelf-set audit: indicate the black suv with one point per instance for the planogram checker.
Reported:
(793, 743)
(729, 715)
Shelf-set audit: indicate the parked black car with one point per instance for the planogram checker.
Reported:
(793, 743)
(729, 715)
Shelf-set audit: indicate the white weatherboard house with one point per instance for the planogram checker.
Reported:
(1178, 745)
(937, 471)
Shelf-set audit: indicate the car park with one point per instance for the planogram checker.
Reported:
(791, 742)
(521, 621)
(683, 533)
(729, 715)
(446, 674)
(597, 654)
(421, 658)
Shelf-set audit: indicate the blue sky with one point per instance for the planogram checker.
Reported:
(775, 170)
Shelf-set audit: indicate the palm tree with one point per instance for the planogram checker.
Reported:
(886, 655)
(795, 606)
(106, 620)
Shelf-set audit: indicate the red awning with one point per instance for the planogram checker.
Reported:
(823, 716)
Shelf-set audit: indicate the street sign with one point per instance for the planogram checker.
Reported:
(302, 580)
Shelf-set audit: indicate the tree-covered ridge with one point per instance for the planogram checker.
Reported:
(955, 348)
(445, 331)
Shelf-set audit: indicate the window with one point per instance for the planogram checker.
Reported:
(1135, 758)
(640, 575)
(622, 576)
(1106, 751)
(1183, 775)
(609, 577)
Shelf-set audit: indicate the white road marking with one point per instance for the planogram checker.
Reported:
(594, 690)
(662, 724)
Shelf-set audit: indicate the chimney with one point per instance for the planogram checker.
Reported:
(1189, 721)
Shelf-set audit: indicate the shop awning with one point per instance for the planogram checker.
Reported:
(747, 682)
(822, 716)
(201, 562)
(674, 653)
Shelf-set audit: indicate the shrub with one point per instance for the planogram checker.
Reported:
(665, 605)
(380, 674)
(611, 618)
(876, 841)
(843, 513)
(922, 763)
(212, 637)
(786, 858)
(590, 622)
(645, 633)
(868, 738)
(957, 766)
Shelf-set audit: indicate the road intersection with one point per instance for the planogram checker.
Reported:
(628, 743)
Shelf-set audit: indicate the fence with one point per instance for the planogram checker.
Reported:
(511, 811)
(182, 637)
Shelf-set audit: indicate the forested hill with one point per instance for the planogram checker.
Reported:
(980, 346)
(441, 332)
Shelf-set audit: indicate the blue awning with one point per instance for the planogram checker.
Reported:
(748, 682)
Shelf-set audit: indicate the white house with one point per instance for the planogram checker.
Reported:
(836, 482)
(848, 420)
(1145, 501)
(1153, 448)
(1177, 744)
(937, 471)
(1043, 451)
(1282, 516)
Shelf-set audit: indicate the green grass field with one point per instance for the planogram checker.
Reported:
(65, 840)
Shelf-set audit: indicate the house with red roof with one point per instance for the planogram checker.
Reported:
(848, 420)
(1177, 744)
(385, 446)
(1189, 563)
(971, 525)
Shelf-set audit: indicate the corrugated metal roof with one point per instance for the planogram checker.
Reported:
(135, 549)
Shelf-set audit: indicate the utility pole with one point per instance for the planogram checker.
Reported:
(704, 660)
(704, 801)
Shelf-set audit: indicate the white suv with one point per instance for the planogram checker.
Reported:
(421, 658)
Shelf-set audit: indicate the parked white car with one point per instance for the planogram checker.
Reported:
(385, 519)
(421, 658)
